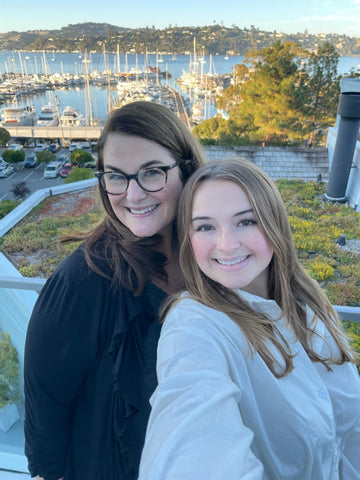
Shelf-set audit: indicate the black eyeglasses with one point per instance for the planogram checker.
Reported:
(152, 179)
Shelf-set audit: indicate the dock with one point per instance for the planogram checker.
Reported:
(52, 133)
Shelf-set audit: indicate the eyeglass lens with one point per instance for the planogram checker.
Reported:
(150, 179)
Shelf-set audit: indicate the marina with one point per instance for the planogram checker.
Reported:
(77, 90)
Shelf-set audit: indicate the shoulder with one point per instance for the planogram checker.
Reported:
(190, 319)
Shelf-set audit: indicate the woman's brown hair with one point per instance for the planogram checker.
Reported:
(289, 285)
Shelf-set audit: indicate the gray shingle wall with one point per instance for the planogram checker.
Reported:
(279, 162)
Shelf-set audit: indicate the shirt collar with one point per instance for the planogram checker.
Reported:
(263, 305)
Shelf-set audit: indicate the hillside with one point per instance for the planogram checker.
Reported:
(214, 39)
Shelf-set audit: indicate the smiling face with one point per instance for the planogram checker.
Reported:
(228, 245)
(144, 213)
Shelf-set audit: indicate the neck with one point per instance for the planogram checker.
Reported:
(175, 280)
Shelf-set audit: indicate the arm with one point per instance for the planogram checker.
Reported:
(60, 350)
(195, 428)
(343, 386)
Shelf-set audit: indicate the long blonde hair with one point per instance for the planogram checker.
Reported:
(289, 284)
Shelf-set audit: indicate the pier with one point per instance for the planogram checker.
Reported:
(51, 133)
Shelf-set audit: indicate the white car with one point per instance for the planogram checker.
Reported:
(73, 146)
(15, 146)
(85, 146)
(52, 170)
(41, 147)
(6, 171)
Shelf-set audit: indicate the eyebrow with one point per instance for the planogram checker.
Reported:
(235, 215)
(148, 164)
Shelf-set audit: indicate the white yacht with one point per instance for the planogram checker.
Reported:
(72, 117)
(48, 116)
(15, 115)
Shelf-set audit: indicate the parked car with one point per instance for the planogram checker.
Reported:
(53, 147)
(52, 170)
(41, 147)
(15, 146)
(91, 164)
(63, 158)
(85, 146)
(31, 161)
(6, 170)
(66, 169)
(73, 146)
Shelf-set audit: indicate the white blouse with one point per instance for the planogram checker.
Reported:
(220, 414)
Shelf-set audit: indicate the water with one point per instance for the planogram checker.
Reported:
(51, 63)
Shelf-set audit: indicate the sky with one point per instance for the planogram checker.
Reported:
(288, 16)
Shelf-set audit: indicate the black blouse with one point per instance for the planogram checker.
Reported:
(90, 358)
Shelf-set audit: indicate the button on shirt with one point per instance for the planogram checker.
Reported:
(219, 413)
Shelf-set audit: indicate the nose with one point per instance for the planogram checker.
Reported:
(134, 192)
(227, 240)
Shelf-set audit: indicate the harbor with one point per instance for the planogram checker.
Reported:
(58, 95)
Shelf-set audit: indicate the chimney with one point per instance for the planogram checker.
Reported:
(348, 130)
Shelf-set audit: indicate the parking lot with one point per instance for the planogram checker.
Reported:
(34, 177)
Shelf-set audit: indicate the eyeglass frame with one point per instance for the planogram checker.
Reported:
(135, 176)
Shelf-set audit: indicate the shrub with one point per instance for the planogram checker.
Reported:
(20, 189)
(45, 156)
(9, 372)
(321, 269)
(80, 156)
(78, 174)
(13, 156)
(4, 136)
(6, 206)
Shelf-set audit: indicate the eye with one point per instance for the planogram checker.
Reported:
(247, 222)
(204, 228)
(151, 172)
(115, 177)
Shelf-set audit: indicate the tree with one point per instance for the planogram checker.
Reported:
(266, 109)
(78, 174)
(45, 157)
(323, 89)
(80, 157)
(286, 96)
(13, 156)
(4, 136)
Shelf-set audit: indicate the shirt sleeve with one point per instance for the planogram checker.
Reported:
(195, 429)
(343, 386)
(60, 350)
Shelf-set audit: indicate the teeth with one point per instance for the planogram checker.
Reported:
(141, 212)
(232, 262)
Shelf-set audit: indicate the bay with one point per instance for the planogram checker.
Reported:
(51, 63)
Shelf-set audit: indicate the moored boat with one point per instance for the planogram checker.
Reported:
(15, 115)
(71, 117)
(48, 116)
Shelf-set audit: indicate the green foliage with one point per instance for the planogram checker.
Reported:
(9, 372)
(13, 156)
(80, 157)
(288, 97)
(78, 174)
(6, 206)
(45, 156)
(4, 136)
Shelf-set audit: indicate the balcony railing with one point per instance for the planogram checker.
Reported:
(350, 314)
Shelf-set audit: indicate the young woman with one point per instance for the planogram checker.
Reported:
(256, 377)
(91, 343)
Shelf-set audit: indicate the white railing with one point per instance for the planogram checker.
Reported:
(350, 314)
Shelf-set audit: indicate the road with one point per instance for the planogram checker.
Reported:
(34, 177)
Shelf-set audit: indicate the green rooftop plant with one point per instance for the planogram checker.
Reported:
(9, 372)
